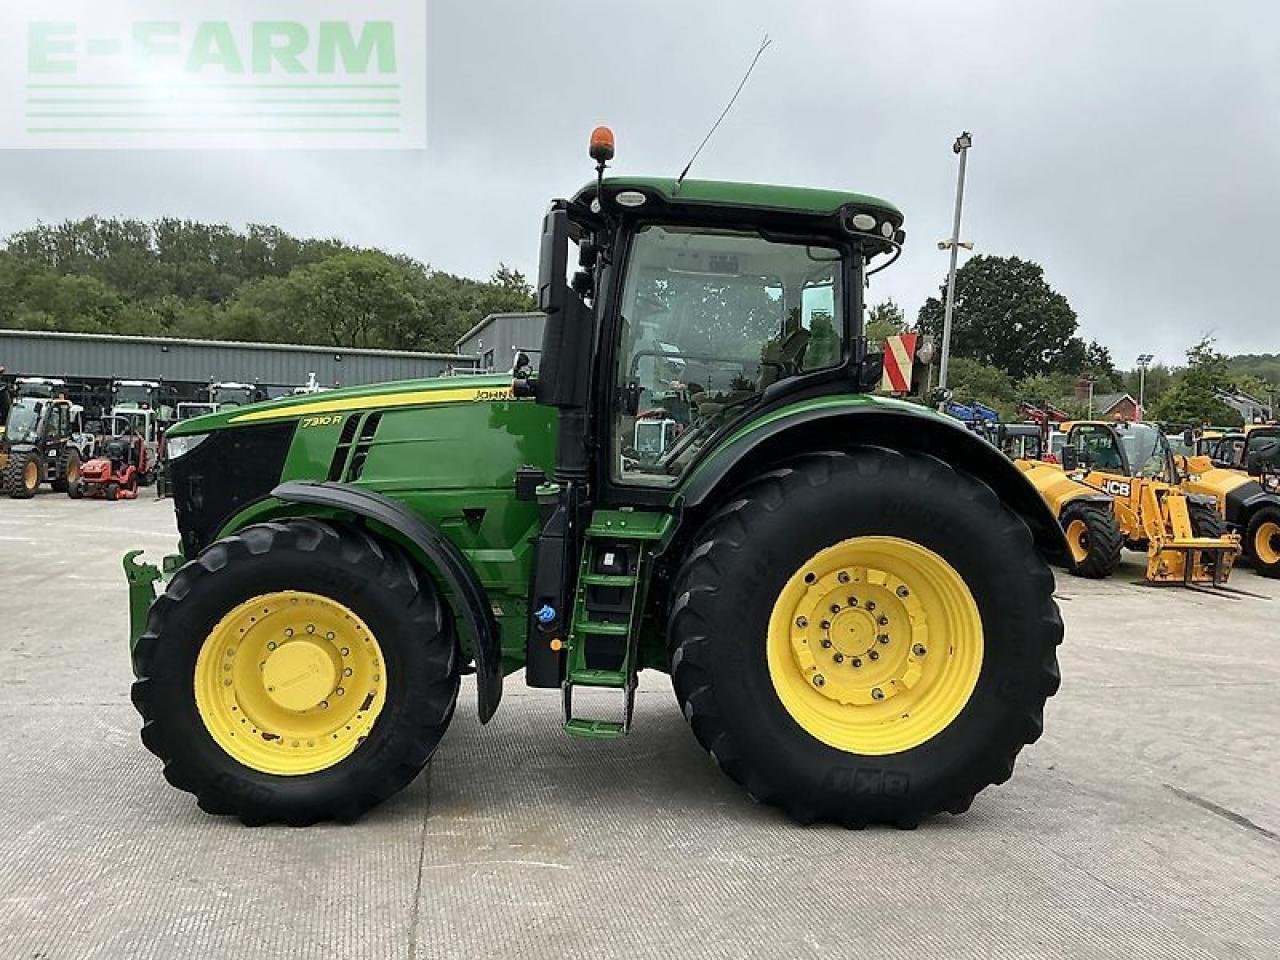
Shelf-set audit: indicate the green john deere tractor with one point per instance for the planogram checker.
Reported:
(850, 593)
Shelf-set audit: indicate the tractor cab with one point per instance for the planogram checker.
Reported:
(40, 387)
(1260, 456)
(1021, 441)
(235, 394)
(1125, 449)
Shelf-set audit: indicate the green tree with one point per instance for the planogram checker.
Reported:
(972, 381)
(883, 321)
(1006, 316)
(182, 278)
(1192, 401)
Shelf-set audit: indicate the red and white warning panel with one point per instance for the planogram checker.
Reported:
(899, 356)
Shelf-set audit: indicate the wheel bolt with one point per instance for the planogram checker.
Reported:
(857, 662)
(826, 644)
(825, 625)
(919, 650)
(883, 638)
(346, 652)
(873, 655)
(838, 658)
(877, 694)
(340, 691)
(883, 621)
(871, 604)
(835, 608)
(842, 577)
(819, 680)
(801, 622)
(329, 635)
(311, 628)
(903, 592)
(324, 704)
(271, 645)
(853, 601)
(289, 632)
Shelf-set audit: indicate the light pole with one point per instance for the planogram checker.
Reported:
(1144, 361)
(960, 147)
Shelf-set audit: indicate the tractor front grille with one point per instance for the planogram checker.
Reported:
(223, 475)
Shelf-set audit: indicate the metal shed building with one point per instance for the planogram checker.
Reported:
(496, 338)
(91, 357)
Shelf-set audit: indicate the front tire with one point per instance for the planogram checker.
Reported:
(68, 472)
(1094, 540)
(296, 672)
(22, 476)
(854, 547)
(1262, 542)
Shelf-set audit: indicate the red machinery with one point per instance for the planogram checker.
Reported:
(115, 474)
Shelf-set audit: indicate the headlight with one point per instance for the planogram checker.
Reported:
(176, 447)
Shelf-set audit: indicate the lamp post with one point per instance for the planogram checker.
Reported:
(1144, 361)
(961, 148)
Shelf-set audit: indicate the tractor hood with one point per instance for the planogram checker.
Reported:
(382, 396)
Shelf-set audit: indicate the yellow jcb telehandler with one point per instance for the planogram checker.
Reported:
(1119, 481)
(1241, 469)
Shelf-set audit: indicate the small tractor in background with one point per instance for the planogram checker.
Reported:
(1241, 470)
(37, 447)
(1119, 485)
(115, 474)
(851, 593)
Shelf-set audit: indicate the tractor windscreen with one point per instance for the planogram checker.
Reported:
(710, 319)
(1146, 450)
(24, 422)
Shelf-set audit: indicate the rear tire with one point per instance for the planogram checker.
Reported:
(1094, 539)
(416, 669)
(724, 618)
(1262, 542)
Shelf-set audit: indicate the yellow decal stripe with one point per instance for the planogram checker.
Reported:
(412, 399)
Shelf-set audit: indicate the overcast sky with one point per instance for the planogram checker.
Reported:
(1132, 148)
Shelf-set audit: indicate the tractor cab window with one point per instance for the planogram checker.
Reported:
(710, 320)
(1147, 452)
(24, 421)
(1096, 448)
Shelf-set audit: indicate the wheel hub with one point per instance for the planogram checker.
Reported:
(875, 645)
(290, 683)
(299, 675)
(862, 641)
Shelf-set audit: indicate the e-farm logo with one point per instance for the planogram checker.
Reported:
(214, 74)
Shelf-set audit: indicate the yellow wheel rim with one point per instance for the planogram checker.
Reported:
(290, 683)
(1078, 540)
(1266, 543)
(30, 475)
(875, 645)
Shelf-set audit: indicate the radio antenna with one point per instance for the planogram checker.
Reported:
(764, 44)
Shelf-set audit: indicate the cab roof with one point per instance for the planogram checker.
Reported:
(803, 200)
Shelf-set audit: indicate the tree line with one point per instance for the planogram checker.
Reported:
(1015, 341)
(181, 278)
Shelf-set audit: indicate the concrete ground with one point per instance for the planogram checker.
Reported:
(1146, 822)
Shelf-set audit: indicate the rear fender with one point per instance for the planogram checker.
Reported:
(444, 560)
(896, 426)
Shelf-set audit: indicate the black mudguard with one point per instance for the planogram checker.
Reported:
(894, 428)
(447, 562)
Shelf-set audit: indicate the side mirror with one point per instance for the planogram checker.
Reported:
(1069, 459)
(1189, 438)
